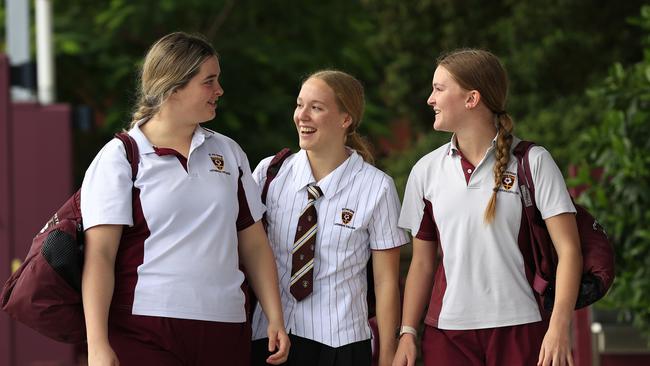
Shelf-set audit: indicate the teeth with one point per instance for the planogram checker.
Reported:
(307, 130)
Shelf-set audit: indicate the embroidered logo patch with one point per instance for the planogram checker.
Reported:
(508, 180)
(346, 215)
(217, 160)
(346, 218)
(219, 164)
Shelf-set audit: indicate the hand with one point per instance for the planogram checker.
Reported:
(102, 355)
(556, 348)
(406, 351)
(278, 340)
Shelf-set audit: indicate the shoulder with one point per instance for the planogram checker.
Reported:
(430, 161)
(380, 179)
(113, 152)
(224, 142)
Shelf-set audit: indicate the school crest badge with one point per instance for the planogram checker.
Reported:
(218, 162)
(508, 180)
(346, 215)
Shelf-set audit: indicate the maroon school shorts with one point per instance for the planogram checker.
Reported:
(150, 340)
(514, 345)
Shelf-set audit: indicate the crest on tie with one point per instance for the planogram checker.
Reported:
(346, 215)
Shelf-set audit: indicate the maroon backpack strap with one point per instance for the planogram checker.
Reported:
(533, 218)
(132, 152)
(273, 169)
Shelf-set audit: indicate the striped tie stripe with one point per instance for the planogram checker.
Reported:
(302, 267)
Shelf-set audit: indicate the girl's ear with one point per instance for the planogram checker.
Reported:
(347, 121)
(473, 97)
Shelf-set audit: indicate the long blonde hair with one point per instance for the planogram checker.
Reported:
(349, 95)
(170, 64)
(481, 70)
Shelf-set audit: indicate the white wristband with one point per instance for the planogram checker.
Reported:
(405, 329)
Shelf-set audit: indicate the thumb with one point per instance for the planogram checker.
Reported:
(272, 341)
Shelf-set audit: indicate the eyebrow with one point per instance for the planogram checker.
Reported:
(211, 76)
(312, 101)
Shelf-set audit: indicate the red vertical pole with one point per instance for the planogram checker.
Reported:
(7, 341)
(582, 337)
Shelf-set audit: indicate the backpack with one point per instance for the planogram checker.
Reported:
(597, 251)
(44, 293)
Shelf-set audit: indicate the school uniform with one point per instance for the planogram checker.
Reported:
(178, 256)
(356, 214)
(481, 281)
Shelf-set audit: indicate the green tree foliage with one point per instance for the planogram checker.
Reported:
(618, 143)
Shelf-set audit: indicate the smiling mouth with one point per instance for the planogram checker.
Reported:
(307, 130)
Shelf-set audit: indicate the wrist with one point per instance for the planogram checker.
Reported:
(406, 330)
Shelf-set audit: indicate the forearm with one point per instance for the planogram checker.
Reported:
(417, 291)
(98, 281)
(257, 257)
(568, 274)
(388, 313)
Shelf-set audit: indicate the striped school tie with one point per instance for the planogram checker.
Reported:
(302, 265)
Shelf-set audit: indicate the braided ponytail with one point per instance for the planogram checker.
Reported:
(502, 157)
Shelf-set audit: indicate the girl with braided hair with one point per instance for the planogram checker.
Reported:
(470, 261)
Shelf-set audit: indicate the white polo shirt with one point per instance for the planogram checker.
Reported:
(336, 313)
(481, 280)
(178, 255)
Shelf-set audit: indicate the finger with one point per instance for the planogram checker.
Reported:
(570, 359)
(540, 359)
(556, 359)
(272, 341)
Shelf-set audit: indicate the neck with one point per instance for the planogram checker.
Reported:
(165, 132)
(473, 142)
(324, 162)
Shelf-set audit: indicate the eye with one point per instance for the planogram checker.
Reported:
(298, 105)
(316, 108)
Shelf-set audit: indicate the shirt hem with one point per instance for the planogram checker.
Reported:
(487, 324)
(225, 318)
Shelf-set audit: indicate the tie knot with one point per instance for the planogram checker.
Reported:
(314, 193)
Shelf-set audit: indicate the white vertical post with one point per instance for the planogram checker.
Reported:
(44, 53)
(18, 47)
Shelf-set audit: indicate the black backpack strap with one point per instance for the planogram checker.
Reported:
(132, 152)
(273, 169)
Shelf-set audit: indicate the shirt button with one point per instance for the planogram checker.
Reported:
(469, 171)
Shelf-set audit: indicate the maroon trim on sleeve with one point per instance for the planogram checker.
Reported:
(244, 218)
(163, 151)
(130, 255)
(428, 229)
(438, 292)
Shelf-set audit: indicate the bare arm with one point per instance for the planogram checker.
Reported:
(556, 347)
(417, 293)
(98, 282)
(257, 257)
(386, 276)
